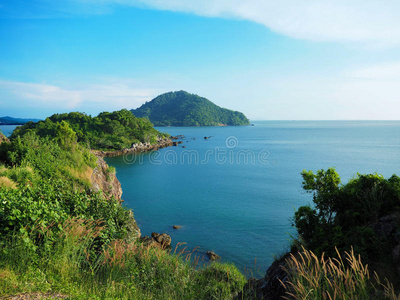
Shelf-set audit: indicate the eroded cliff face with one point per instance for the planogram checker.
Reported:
(104, 179)
(3, 138)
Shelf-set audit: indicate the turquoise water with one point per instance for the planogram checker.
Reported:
(241, 208)
(7, 129)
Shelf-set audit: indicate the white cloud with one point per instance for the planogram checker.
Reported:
(34, 94)
(98, 97)
(387, 71)
(371, 22)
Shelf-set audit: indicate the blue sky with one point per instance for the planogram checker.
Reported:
(272, 60)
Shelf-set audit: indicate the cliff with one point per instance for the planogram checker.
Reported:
(3, 138)
(104, 179)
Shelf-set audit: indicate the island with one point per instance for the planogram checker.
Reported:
(15, 121)
(184, 109)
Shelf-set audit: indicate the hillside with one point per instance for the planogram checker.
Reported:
(107, 131)
(64, 232)
(184, 109)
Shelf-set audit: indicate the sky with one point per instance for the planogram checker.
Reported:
(271, 60)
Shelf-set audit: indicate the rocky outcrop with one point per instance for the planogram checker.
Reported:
(161, 241)
(271, 286)
(104, 179)
(212, 256)
(176, 226)
(137, 148)
(387, 229)
(3, 138)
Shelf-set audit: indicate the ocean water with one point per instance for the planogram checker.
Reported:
(7, 129)
(235, 192)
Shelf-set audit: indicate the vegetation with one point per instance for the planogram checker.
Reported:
(346, 213)
(59, 237)
(107, 131)
(313, 277)
(120, 271)
(184, 109)
(346, 217)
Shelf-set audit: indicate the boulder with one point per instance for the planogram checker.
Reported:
(212, 255)
(176, 226)
(162, 241)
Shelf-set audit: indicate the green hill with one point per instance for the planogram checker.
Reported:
(107, 131)
(184, 109)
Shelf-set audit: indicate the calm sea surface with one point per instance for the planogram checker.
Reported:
(7, 129)
(235, 192)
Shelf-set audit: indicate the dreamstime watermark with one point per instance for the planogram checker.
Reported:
(230, 154)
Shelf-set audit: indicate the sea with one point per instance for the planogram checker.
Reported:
(234, 190)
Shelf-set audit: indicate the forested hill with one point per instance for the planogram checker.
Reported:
(107, 131)
(184, 109)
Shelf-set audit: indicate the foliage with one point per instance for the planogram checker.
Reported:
(58, 235)
(312, 277)
(30, 158)
(343, 215)
(114, 131)
(53, 202)
(184, 109)
(120, 271)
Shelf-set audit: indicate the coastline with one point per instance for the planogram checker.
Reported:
(138, 148)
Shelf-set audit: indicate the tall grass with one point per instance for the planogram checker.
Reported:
(311, 277)
(66, 262)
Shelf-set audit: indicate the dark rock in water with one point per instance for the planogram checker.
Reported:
(178, 137)
(183, 146)
(212, 255)
(176, 226)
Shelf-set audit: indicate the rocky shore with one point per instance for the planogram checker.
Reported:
(139, 147)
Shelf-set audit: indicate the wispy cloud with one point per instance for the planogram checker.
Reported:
(386, 71)
(98, 97)
(369, 22)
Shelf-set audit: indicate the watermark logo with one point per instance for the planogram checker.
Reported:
(229, 154)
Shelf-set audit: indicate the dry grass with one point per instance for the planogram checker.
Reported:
(311, 277)
(83, 176)
(6, 182)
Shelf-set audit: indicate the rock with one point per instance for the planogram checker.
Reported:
(3, 138)
(270, 287)
(396, 254)
(136, 148)
(212, 255)
(162, 241)
(107, 182)
(386, 226)
(176, 226)
(183, 146)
